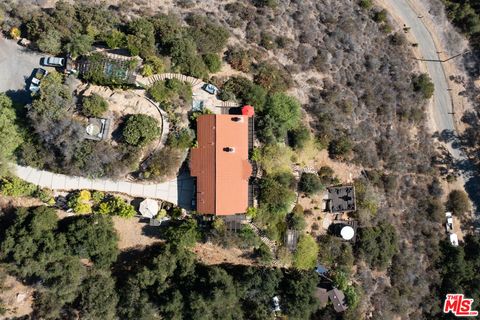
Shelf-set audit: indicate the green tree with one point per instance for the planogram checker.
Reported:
(54, 98)
(95, 238)
(339, 147)
(458, 202)
(296, 294)
(213, 62)
(275, 193)
(310, 183)
(209, 37)
(115, 39)
(280, 115)
(94, 105)
(140, 129)
(377, 245)
(305, 256)
(141, 38)
(50, 42)
(424, 85)
(184, 235)
(298, 137)
(10, 137)
(79, 44)
(98, 298)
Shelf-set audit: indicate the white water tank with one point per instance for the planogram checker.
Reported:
(347, 233)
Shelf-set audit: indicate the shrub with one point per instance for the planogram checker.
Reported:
(16, 187)
(305, 256)
(339, 147)
(366, 4)
(181, 140)
(326, 175)
(213, 62)
(79, 202)
(209, 37)
(280, 115)
(239, 60)
(94, 105)
(15, 33)
(116, 39)
(50, 42)
(377, 245)
(310, 183)
(263, 254)
(458, 202)
(79, 44)
(424, 85)
(116, 206)
(272, 78)
(298, 137)
(276, 195)
(380, 16)
(140, 130)
(168, 91)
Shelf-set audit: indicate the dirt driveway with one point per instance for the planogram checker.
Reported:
(16, 65)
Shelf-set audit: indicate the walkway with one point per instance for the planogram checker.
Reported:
(178, 191)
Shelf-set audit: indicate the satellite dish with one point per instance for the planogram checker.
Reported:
(93, 129)
(347, 233)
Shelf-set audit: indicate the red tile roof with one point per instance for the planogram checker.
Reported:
(220, 163)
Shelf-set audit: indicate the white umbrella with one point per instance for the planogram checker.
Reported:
(149, 208)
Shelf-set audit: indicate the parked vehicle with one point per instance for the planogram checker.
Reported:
(53, 62)
(449, 223)
(210, 88)
(37, 78)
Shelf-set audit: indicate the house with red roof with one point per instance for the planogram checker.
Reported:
(220, 163)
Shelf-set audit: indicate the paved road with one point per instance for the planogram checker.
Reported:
(441, 97)
(16, 65)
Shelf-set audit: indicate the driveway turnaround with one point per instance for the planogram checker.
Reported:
(16, 65)
(178, 191)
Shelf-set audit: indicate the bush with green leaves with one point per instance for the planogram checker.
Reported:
(213, 62)
(377, 245)
(458, 202)
(310, 183)
(80, 202)
(116, 206)
(280, 115)
(305, 256)
(171, 91)
(209, 36)
(245, 91)
(79, 44)
(10, 137)
(299, 137)
(340, 147)
(423, 85)
(276, 194)
(140, 130)
(16, 187)
(239, 60)
(272, 78)
(94, 105)
(181, 139)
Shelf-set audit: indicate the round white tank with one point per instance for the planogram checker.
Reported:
(347, 233)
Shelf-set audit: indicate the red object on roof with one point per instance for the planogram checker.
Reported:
(248, 111)
(220, 163)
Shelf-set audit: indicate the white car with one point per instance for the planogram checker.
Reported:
(37, 78)
(449, 224)
(54, 62)
(454, 239)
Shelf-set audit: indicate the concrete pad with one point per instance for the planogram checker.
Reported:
(124, 187)
(110, 186)
(84, 183)
(58, 181)
(149, 191)
(72, 183)
(137, 190)
(45, 179)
